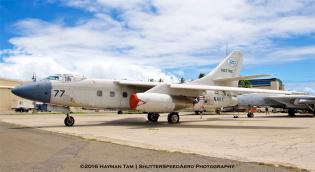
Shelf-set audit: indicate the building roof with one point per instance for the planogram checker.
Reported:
(264, 82)
(12, 80)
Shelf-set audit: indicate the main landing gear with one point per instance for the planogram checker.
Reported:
(69, 120)
(153, 117)
(173, 118)
(250, 115)
(251, 112)
(291, 112)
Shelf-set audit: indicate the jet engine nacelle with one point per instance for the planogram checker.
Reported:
(152, 102)
(303, 101)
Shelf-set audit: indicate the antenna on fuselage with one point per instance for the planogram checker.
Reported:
(34, 77)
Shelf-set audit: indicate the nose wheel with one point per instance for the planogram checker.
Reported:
(173, 118)
(69, 121)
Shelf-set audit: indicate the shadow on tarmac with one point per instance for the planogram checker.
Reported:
(140, 123)
(282, 116)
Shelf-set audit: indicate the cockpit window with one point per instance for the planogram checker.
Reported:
(52, 77)
(65, 77)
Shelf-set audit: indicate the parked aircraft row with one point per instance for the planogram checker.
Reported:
(220, 87)
(290, 102)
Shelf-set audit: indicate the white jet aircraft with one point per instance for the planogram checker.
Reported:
(290, 102)
(64, 91)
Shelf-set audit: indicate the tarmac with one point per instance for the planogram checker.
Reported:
(270, 139)
(30, 149)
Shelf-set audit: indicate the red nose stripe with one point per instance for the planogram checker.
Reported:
(133, 101)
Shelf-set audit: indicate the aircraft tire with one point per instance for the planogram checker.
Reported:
(197, 112)
(120, 112)
(250, 115)
(173, 118)
(291, 112)
(153, 117)
(218, 111)
(69, 121)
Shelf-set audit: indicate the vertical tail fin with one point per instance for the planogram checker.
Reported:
(228, 68)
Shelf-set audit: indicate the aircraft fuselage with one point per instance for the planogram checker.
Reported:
(104, 94)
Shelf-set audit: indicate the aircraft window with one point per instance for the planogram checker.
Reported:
(53, 78)
(99, 93)
(112, 94)
(125, 94)
(65, 77)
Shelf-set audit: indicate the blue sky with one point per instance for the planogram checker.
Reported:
(157, 39)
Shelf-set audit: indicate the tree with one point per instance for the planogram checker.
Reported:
(151, 80)
(201, 75)
(244, 84)
(160, 80)
(182, 80)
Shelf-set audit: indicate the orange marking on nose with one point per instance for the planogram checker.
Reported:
(133, 101)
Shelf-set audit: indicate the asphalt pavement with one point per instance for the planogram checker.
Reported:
(30, 149)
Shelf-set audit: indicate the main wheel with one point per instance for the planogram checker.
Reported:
(250, 115)
(197, 112)
(120, 112)
(153, 117)
(173, 117)
(291, 112)
(69, 121)
(218, 111)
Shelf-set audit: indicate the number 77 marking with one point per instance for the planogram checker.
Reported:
(57, 92)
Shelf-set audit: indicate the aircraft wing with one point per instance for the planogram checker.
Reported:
(293, 99)
(231, 89)
(138, 83)
(240, 78)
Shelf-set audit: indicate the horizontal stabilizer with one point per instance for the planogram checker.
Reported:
(231, 89)
(240, 78)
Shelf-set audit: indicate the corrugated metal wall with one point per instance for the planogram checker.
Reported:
(6, 97)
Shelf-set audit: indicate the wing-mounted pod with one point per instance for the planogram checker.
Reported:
(152, 102)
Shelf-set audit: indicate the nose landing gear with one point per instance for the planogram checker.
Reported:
(69, 121)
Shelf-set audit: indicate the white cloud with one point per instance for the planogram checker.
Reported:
(147, 36)
(307, 87)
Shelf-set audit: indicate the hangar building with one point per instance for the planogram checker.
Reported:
(270, 83)
(9, 101)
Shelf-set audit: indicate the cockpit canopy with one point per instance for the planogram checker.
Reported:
(65, 77)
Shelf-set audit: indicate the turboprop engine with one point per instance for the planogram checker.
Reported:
(152, 102)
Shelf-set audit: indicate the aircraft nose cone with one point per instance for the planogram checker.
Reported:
(16, 91)
(37, 91)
